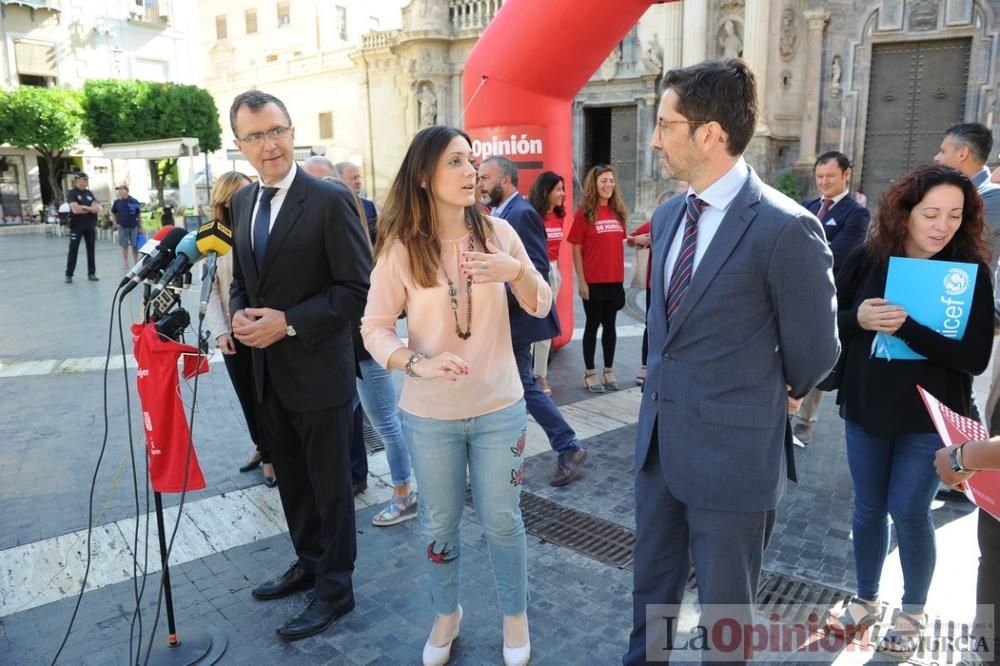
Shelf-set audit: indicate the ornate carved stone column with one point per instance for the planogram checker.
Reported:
(695, 29)
(757, 28)
(673, 46)
(816, 20)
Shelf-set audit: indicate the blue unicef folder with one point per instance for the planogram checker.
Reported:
(937, 294)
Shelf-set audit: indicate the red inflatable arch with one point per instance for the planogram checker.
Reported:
(519, 84)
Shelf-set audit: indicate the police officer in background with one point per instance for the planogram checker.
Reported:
(83, 211)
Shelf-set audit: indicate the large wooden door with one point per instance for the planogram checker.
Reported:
(917, 89)
(623, 152)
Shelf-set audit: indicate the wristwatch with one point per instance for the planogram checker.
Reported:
(290, 331)
(955, 459)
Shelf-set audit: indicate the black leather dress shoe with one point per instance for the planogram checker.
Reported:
(249, 466)
(294, 580)
(317, 615)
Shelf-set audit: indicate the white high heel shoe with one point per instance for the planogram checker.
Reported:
(518, 656)
(439, 656)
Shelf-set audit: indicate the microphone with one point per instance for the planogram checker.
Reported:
(185, 256)
(214, 239)
(160, 255)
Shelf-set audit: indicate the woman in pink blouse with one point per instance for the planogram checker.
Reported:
(444, 263)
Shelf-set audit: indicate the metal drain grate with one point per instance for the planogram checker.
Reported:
(373, 442)
(795, 598)
(598, 539)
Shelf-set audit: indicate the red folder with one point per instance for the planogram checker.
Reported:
(955, 429)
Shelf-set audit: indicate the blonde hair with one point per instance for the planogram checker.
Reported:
(225, 187)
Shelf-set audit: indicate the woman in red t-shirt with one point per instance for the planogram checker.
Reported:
(597, 236)
(547, 195)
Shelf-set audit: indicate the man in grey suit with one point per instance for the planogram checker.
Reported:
(733, 348)
(967, 147)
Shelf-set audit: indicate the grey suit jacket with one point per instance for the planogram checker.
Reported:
(760, 313)
(990, 193)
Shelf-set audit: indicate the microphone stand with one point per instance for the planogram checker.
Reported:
(198, 642)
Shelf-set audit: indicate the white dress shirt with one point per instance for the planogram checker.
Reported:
(719, 195)
(276, 200)
(499, 210)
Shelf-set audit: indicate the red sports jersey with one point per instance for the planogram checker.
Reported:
(167, 434)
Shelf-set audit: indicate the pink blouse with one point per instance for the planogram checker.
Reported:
(493, 381)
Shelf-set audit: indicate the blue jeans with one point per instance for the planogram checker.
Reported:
(562, 438)
(381, 403)
(492, 448)
(893, 476)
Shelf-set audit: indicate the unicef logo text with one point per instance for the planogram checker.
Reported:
(956, 282)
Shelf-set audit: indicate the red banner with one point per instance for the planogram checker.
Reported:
(524, 145)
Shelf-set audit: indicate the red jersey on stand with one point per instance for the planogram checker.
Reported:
(603, 245)
(166, 427)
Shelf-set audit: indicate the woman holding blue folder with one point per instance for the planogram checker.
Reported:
(933, 213)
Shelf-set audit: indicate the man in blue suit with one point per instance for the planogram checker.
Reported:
(845, 222)
(733, 345)
(498, 187)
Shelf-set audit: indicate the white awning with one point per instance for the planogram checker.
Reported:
(35, 58)
(300, 154)
(151, 150)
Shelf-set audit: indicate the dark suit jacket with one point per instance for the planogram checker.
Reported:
(316, 270)
(715, 390)
(525, 329)
(371, 215)
(845, 226)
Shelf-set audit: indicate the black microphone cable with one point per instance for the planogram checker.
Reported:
(138, 590)
(93, 485)
(184, 486)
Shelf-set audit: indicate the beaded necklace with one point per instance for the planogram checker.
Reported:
(453, 295)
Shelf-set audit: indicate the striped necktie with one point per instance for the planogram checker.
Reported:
(680, 279)
(824, 209)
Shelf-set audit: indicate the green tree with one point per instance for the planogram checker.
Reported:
(126, 111)
(46, 120)
(788, 186)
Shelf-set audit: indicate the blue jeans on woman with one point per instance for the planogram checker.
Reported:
(893, 476)
(491, 447)
(381, 403)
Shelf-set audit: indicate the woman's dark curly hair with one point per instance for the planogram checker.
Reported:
(889, 231)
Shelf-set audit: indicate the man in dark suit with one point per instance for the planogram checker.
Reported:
(845, 222)
(498, 179)
(732, 346)
(351, 174)
(300, 282)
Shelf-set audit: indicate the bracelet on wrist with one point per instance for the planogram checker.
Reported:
(415, 358)
(520, 274)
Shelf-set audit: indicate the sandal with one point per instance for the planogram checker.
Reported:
(856, 618)
(640, 379)
(610, 382)
(398, 510)
(592, 386)
(901, 642)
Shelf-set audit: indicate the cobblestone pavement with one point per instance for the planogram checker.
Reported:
(580, 609)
